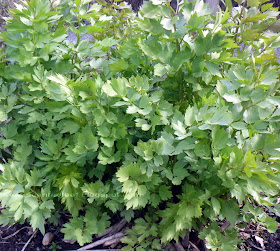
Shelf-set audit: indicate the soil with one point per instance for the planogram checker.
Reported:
(17, 242)
(15, 237)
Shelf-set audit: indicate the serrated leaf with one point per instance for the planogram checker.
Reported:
(232, 98)
(164, 192)
(118, 66)
(251, 115)
(117, 87)
(213, 68)
(128, 214)
(220, 138)
(37, 221)
(216, 205)
(230, 211)
(132, 109)
(269, 78)
(190, 115)
(151, 25)
(68, 126)
(156, 51)
(221, 117)
(108, 89)
(160, 70)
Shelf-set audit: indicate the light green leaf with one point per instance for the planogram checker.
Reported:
(132, 109)
(221, 117)
(232, 98)
(220, 138)
(165, 192)
(68, 126)
(156, 50)
(26, 21)
(216, 205)
(37, 221)
(151, 25)
(213, 68)
(239, 125)
(118, 66)
(270, 78)
(108, 89)
(190, 115)
(251, 115)
(160, 70)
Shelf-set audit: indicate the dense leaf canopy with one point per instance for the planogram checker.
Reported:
(173, 114)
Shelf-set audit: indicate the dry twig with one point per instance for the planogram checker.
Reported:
(102, 241)
(3, 159)
(13, 234)
(112, 242)
(26, 244)
(100, 250)
(118, 227)
(179, 246)
(185, 241)
(114, 229)
(107, 231)
(194, 246)
(254, 246)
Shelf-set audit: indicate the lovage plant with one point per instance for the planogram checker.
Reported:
(170, 113)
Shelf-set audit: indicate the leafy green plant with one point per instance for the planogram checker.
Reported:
(55, 247)
(173, 113)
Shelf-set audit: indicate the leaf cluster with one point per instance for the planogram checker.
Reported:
(171, 113)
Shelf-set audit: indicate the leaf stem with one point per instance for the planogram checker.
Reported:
(180, 75)
(181, 85)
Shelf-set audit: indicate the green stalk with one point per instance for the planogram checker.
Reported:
(181, 84)
(180, 76)
(241, 21)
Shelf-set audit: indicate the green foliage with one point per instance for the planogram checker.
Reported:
(144, 235)
(83, 227)
(173, 113)
(216, 240)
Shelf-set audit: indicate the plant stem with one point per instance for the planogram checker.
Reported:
(241, 21)
(180, 75)
(181, 84)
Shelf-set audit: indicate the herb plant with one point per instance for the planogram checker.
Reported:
(171, 113)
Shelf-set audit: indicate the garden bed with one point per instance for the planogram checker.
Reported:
(146, 126)
(15, 237)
